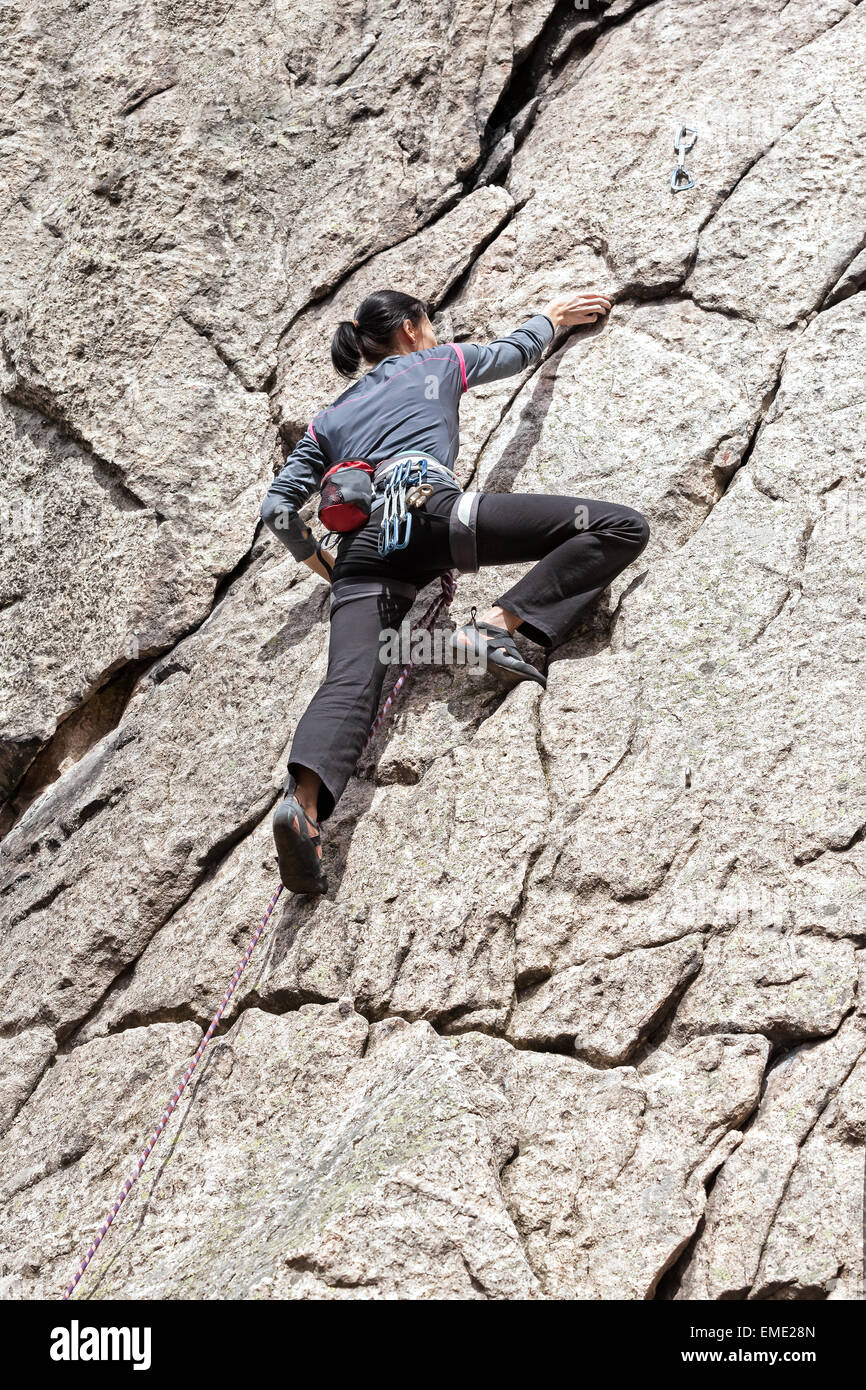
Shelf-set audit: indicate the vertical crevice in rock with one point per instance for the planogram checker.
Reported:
(103, 709)
(75, 736)
(569, 34)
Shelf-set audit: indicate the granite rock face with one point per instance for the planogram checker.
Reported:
(582, 1013)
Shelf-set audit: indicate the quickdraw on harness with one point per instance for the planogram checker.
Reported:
(681, 179)
(406, 487)
(438, 606)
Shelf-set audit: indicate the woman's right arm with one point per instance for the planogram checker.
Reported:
(297, 481)
(509, 355)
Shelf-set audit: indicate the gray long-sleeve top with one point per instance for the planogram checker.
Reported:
(405, 404)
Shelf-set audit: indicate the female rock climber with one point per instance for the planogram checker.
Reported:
(403, 413)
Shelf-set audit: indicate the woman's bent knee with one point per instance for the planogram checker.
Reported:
(626, 525)
(640, 529)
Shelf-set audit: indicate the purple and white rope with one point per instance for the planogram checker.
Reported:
(437, 607)
(449, 587)
(173, 1103)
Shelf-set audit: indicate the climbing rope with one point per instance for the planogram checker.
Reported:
(438, 606)
(173, 1103)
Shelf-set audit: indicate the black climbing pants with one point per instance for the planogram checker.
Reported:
(579, 545)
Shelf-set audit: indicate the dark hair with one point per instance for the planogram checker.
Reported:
(369, 335)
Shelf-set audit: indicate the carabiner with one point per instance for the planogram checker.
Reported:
(682, 145)
(404, 521)
(383, 543)
(384, 537)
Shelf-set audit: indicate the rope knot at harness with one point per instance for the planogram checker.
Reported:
(438, 606)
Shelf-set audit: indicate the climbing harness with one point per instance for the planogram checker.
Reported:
(681, 179)
(462, 532)
(353, 490)
(439, 604)
(406, 485)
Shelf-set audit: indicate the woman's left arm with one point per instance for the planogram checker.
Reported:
(509, 355)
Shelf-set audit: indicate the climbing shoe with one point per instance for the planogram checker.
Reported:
(495, 650)
(300, 866)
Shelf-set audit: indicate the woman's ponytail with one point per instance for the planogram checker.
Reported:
(346, 348)
(369, 334)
